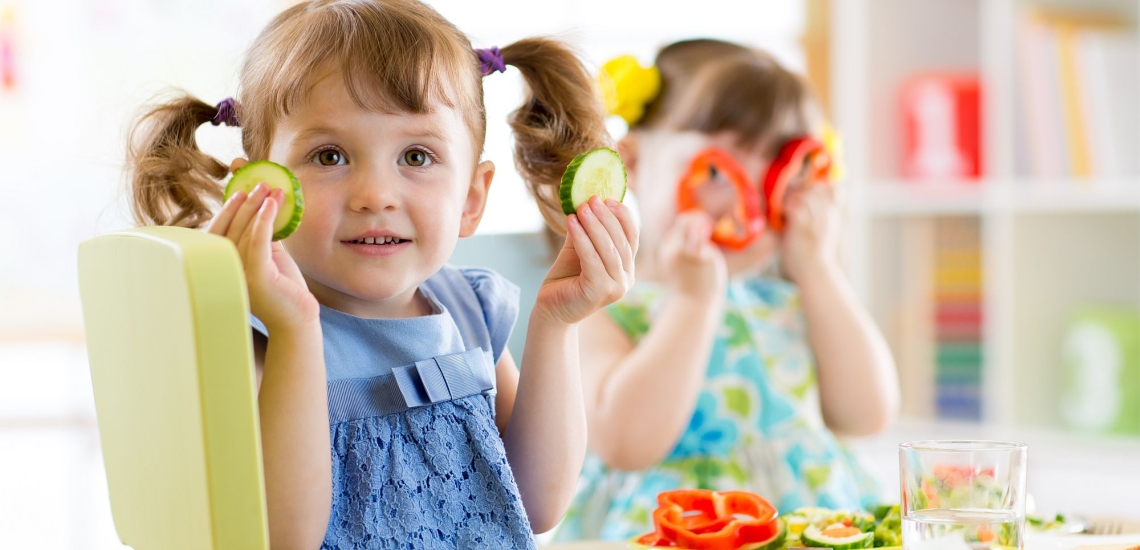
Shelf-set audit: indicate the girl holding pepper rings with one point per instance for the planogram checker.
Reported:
(722, 368)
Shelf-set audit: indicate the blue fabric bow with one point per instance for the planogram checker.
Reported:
(423, 383)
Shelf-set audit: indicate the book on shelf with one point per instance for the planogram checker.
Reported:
(937, 324)
(1100, 391)
(958, 318)
(1078, 81)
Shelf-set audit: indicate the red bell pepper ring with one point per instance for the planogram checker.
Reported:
(789, 163)
(708, 520)
(746, 222)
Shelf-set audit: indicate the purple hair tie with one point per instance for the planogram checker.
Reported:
(490, 60)
(227, 113)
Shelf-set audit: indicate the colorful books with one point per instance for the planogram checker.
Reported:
(1078, 80)
(958, 319)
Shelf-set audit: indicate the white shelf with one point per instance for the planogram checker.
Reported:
(1076, 196)
(977, 197)
(926, 198)
(1048, 245)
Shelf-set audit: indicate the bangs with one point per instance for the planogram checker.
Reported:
(394, 57)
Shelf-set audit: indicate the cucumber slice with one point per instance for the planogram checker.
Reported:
(276, 177)
(813, 536)
(795, 525)
(599, 172)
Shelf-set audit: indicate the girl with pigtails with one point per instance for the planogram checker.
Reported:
(392, 414)
(742, 352)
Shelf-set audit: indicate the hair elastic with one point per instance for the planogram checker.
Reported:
(491, 60)
(627, 87)
(227, 113)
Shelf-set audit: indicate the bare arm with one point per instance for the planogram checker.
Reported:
(295, 437)
(545, 437)
(639, 399)
(292, 402)
(507, 385)
(546, 431)
(858, 385)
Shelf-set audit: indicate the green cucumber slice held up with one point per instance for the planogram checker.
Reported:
(276, 177)
(599, 172)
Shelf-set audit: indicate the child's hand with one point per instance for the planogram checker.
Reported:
(689, 262)
(595, 266)
(811, 236)
(278, 294)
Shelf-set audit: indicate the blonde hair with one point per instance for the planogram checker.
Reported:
(394, 56)
(712, 86)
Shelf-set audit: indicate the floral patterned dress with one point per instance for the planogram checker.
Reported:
(757, 425)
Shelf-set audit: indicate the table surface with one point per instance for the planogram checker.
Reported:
(1033, 541)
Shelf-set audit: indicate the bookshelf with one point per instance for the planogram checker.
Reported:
(1050, 239)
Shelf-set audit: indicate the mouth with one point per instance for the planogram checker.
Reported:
(378, 241)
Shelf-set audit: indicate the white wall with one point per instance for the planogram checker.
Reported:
(86, 67)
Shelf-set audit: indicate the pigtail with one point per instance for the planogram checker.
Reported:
(172, 181)
(561, 118)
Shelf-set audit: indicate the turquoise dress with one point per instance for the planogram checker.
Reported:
(757, 425)
(417, 460)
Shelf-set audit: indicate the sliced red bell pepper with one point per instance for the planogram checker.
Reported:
(790, 162)
(747, 220)
(654, 539)
(708, 520)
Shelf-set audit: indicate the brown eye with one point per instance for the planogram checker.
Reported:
(328, 158)
(415, 157)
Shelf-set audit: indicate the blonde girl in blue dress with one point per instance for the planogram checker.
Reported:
(720, 369)
(392, 415)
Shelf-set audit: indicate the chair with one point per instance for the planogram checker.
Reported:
(167, 321)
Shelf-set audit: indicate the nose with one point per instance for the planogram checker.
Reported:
(374, 189)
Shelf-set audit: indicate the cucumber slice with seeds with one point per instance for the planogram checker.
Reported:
(599, 172)
(276, 177)
(849, 538)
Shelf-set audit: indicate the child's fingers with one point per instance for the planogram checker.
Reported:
(615, 230)
(625, 217)
(592, 266)
(221, 222)
(254, 242)
(826, 199)
(261, 235)
(699, 231)
(283, 261)
(793, 209)
(832, 192)
(601, 242)
(247, 211)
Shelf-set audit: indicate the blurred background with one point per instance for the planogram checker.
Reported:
(992, 152)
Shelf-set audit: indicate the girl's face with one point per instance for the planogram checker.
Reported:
(662, 159)
(386, 197)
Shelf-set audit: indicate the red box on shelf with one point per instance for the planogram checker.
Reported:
(942, 133)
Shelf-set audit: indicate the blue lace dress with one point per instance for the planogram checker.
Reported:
(417, 459)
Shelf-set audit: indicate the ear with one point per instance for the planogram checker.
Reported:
(476, 198)
(236, 164)
(628, 148)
